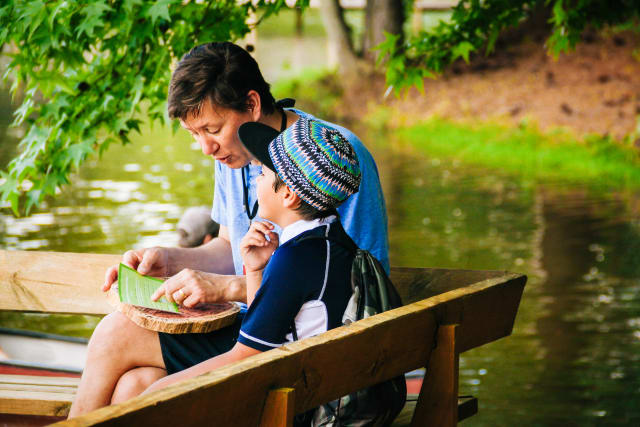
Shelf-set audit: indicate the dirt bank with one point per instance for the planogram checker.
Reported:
(594, 89)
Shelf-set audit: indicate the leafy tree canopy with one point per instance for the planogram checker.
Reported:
(85, 68)
(476, 24)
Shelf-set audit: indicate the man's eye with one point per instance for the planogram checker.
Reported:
(211, 131)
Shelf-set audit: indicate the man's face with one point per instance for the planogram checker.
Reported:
(216, 130)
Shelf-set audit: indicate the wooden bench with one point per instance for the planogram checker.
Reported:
(447, 312)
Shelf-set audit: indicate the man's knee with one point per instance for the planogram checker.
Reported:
(134, 382)
(114, 332)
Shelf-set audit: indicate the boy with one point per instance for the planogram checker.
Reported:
(301, 277)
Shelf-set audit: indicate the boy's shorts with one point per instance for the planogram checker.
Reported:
(182, 351)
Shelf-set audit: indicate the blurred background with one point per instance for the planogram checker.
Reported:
(516, 161)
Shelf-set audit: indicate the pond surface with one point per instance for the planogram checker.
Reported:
(574, 356)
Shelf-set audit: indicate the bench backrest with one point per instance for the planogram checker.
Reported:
(319, 368)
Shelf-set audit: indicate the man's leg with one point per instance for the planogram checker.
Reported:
(117, 346)
(134, 382)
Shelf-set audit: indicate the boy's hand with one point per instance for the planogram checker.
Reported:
(255, 249)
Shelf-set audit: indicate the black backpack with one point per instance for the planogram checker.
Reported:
(379, 404)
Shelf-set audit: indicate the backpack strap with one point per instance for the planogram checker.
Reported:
(349, 245)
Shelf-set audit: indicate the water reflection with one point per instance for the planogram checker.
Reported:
(574, 355)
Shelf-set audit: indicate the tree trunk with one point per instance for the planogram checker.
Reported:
(381, 16)
(341, 53)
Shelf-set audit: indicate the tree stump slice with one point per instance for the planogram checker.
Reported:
(203, 318)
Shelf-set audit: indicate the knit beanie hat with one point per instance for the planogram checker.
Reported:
(313, 159)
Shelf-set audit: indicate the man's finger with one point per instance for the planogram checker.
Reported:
(110, 277)
(190, 301)
(148, 259)
(158, 293)
(131, 259)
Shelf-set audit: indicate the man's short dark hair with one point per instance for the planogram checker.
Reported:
(222, 72)
(305, 210)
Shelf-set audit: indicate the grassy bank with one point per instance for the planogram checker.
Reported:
(526, 152)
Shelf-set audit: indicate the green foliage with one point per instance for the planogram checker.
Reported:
(314, 90)
(83, 70)
(526, 152)
(475, 25)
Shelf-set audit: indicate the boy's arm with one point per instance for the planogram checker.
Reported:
(256, 250)
(254, 279)
(238, 352)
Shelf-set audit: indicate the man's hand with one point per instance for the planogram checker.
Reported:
(148, 262)
(191, 287)
(255, 249)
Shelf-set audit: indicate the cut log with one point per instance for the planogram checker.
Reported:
(204, 318)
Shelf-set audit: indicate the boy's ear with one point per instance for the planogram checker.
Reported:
(254, 105)
(290, 200)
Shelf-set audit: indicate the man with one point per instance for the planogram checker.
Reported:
(196, 227)
(215, 89)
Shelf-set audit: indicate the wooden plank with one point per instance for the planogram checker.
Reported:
(278, 408)
(415, 284)
(438, 401)
(33, 395)
(361, 354)
(65, 282)
(467, 407)
(54, 282)
(68, 282)
(37, 380)
(35, 403)
(38, 388)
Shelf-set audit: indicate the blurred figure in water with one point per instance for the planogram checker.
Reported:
(196, 227)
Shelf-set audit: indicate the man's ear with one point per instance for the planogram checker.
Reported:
(254, 105)
(290, 200)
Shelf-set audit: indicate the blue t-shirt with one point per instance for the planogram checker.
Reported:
(363, 215)
(305, 280)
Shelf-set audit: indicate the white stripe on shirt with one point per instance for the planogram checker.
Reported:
(249, 337)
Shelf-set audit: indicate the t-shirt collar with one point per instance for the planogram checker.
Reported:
(299, 227)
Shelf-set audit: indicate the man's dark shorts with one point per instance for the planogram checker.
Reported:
(182, 351)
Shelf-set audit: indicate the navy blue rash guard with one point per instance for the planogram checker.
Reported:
(309, 281)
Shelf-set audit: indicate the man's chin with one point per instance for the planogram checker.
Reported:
(237, 164)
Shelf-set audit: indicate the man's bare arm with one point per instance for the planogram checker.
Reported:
(207, 270)
(212, 257)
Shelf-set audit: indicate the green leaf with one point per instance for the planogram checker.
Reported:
(128, 5)
(33, 198)
(93, 18)
(160, 10)
(33, 15)
(79, 152)
(462, 50)
(559, 14)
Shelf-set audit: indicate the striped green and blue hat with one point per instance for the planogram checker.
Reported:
(313, 159)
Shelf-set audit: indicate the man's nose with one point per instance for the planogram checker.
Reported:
(209, 146)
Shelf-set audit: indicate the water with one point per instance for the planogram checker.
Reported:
(574, 355)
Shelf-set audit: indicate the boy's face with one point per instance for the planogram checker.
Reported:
(268, 200)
